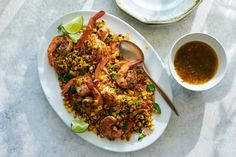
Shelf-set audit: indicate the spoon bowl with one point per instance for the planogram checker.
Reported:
(130, 51)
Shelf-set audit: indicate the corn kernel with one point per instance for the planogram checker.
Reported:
(96, 101)
(131, 92)
(69, 109)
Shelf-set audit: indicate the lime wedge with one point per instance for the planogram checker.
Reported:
(79, 126)
(74, 37)
(74, 26)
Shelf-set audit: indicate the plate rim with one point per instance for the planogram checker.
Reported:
(157, 21)
(40, 53)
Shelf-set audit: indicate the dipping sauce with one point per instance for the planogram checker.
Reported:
(196, 62)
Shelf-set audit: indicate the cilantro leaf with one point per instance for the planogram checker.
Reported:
(72, 89)
(67, 77)
(150, 87)
(137, 103)
(114, 76)
(125, 126)
(140, 137)
(60, 29)
(84, 70)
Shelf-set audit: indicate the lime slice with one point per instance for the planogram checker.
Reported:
(79, 126)
(74, 26)
(74, 37)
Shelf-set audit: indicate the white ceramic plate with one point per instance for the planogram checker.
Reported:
(154, 64)
(158, 11)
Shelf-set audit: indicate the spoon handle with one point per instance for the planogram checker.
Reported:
(163, 94)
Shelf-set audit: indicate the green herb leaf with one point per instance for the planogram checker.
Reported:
(127, 109)
(140, 137)
(60, 78)
(110, 37)
(157, 107)
(113, 67)
(72, 89)
(110, 110)
(120, 113)
(114, 76)
(125, 126)
(84, 70)
(75, 107)
(150, 88)
(137, 103)
(60, 29)
(67, 77)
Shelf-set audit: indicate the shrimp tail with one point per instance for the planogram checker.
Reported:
(97, 95)
(100, 67)
(93, 19)
(89, 28)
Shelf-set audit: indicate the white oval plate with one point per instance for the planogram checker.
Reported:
(154, 64)
(158, 11)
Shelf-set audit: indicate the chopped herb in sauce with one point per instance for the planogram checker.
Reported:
(196, 62)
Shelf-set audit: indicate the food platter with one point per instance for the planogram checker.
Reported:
(158, 11)
(52, 91)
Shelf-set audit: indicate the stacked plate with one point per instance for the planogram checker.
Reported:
(158, 11)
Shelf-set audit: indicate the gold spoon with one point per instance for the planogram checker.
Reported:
(131, 51)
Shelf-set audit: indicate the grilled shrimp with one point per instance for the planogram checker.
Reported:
(89, 28)
(83, 86)
(106, 128)
(99, 48)
(97, 95)
(109, 94)
(60, 43)
(127, 77)
(102, 34)
(87, 104)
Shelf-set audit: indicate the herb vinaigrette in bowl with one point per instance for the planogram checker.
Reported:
(196, 62)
